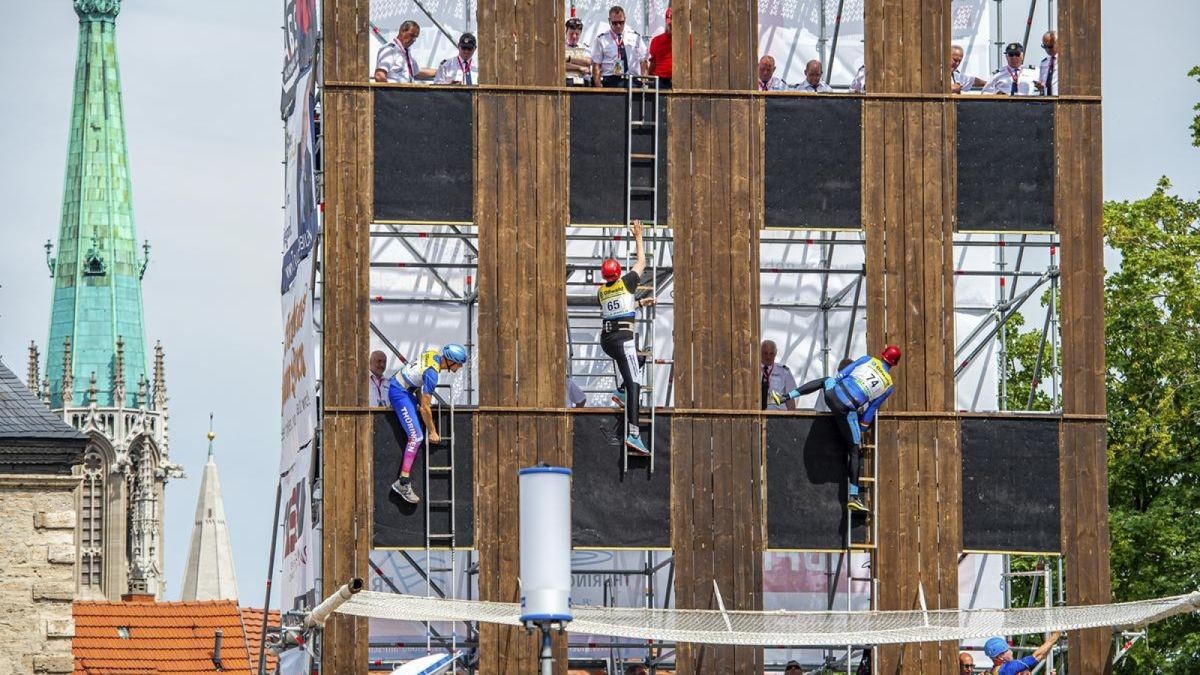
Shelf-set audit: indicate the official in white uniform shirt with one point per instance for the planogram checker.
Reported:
(462, 68)
(1013, 79)
(617, 53)
(377, 388)
(812, 83)
(1047, 82)
(775, 377)
(766, 75)
(395, 62)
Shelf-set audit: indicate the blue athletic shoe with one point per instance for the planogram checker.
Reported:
(636, 446)
(618, 397)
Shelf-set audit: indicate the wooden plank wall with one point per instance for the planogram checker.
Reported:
(346, 446)
(521, 205)
(1078, 207)
(909, 169)
(716, 487)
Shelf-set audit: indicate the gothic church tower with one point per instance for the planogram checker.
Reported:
(96, 375)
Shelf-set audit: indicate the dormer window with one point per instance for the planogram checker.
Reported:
(93, 264)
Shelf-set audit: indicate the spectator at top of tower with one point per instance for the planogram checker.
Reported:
(1013, 79)
(579, 59)
(461, 68)
(660, 55)
(960, 82)
(1047, 82)
(812, 83)
(617, 52)
(395, 62)
(766, 75)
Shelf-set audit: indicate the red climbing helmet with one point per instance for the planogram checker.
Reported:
(890, 355)
(610, 269)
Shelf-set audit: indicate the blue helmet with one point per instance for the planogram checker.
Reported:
(454, 353)
(995, 647)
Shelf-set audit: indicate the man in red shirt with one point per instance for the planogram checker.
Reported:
(660, 55)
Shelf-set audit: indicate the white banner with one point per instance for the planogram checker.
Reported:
(299, 405)
(295, 661)
(298, 583)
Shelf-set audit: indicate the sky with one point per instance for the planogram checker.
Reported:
(201, 94)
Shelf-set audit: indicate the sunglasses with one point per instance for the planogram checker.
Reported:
(616, 23)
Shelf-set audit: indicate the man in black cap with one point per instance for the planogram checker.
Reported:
(1013, 79)
(792, 668)
(458, 70)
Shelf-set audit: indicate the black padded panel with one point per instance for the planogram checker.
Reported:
(806, 484)
(614, 510)
(1010, 497)
(813, 163)
(598, 155)
(399, 524)
(424, 164)
(1006, 166)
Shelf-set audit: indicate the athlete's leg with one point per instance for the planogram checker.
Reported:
(406, 412)
(847, 420)
(803, 390)
(631, 373)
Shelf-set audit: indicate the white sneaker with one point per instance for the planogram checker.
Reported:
(406, 491)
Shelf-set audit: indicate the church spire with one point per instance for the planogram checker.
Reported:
(96, 268)
(209, 572)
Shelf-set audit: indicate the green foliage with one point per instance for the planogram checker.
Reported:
(1153, 355)
(1195, 72)
(1023, 347)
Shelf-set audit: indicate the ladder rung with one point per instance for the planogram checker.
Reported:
(862, 546)
(441, 468)
(640, 188)
(441, 502)
(641, 123)
(440, 536)
(862, 578)
(866, 480)
(435, 570)
(641, 155)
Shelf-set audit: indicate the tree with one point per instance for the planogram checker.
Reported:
(1195, 72)
(1153, 354)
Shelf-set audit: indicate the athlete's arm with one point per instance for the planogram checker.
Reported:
(1041, 652)
(640, 265)
(427, 417)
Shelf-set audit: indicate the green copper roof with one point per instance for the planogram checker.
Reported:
(97, 271)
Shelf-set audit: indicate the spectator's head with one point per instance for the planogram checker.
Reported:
(966, 663)
(956, 57)
(616, 18)
(636, 669)
(409, 32)
(1050, 43)
(766, 68)
(768, 351)
(377, 363)
(668, 19)
(813, 71)
(466, 46)
(574, 30)
(997, 650)
(792, 667)
(1014, 53)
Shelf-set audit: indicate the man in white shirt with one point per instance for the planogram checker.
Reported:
(812, 79)
(1047, 82)
(462, 68)
(960, 82)
(859, 84)
(377, 391)
(579, 59)
(766, 75)
(575, 396)
(617, 53)
(395, 62)
(775, 377)
(1013, 79)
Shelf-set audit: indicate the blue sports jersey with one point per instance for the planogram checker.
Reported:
(1024, 664)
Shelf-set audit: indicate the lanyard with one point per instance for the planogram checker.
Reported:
(407, 58)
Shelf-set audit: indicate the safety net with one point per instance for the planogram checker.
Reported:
(779, 628)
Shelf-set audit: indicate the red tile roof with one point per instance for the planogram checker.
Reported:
(252, 620)
(153, 638)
